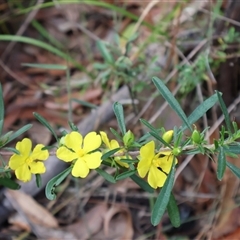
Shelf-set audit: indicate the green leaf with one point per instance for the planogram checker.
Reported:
(118, 110)
(221, 166)
(109, 154)
(173, 211)
(104, 51)
(233, 168)
(45, 66)
(142, 183)
(38, 180)
(163, 198)
(44, 122)
(125, 174)
(84, 103)
(201, 110)
(106, 175)
(235, 148)
(150, 126)
(1, 110)
(225, 112)
(116, 134)
(160, 139)
(5, 170)
(171, 100)
(9, 183)
(54, 182)
(10, 149)
(19, 132)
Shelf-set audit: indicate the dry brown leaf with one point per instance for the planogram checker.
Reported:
(39, 134)
(119, 227)
(33, 211)
(90, 224)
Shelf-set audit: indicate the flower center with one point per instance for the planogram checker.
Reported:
(81, 152)
(156, 162)
(29, 160)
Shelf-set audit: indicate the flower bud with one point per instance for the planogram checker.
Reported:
(168, 136)
(176, 151)
(196, 136)
(128, 138)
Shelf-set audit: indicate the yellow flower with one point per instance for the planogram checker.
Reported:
(156, 165)
(113, 144)
(27, 162)
(79, 149)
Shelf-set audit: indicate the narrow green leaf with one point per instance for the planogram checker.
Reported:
(129, 160)
(163, 198)
(142, 183)
(45, 66)
(125, 175)
(171, 100)
(233, 168)
(10, 149)
(116, 134)
(106, 175)
(43, 121)
(235, 148)
(84, 103)
(150, 126)
(201, 110)
(173, 211)
(105, 52)
(1, 109)
(38, 180)
(109, 153)
(225, 112)
(19, 132)
(54, 182)
(118, 110)
(221, 166)
(160, 139)
(5, 170)
(9, 183)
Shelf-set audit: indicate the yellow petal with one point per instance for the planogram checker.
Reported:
(114, 144)
(91, 142)
(105, 139)
(38, 153)
(23, 173)
(156, 178)
(16, 161)
(24, 147)
(146, 157)
(37, 168)
(80, 169)
(147, 151)
(143, 167)
(65, 154)
(166, 163)
(73, 141)
(93, 160)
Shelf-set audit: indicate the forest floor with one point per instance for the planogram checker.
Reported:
(92, 54)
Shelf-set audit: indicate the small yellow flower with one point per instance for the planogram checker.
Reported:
(27, 162)
(79, 150)
(156, 165)
(113, 144)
